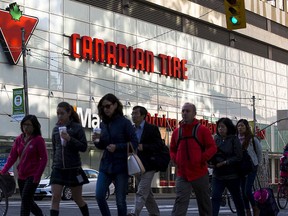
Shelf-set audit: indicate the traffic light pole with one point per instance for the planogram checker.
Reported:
(25, 83)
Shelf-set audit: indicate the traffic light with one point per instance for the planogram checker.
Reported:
(235, 14)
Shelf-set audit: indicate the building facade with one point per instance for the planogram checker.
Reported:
(155, 53)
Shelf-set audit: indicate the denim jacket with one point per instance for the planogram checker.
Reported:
(255, 154)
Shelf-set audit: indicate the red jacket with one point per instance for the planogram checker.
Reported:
(191, 161)
(33, 161)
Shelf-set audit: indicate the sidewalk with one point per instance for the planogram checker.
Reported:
(16, 196)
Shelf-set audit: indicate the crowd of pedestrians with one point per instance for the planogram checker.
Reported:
(192, 150)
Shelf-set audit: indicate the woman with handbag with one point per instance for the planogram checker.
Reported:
(254, 149)
(116, 133)
(30, 148)
(224, 164)
(68, 140)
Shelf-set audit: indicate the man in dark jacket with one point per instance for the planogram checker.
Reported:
(191, 159)
(149, 142)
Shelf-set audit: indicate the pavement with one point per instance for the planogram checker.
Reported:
(172, 195)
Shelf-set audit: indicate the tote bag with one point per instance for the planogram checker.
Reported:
(134, 163)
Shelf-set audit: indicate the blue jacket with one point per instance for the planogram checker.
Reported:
(118, 131)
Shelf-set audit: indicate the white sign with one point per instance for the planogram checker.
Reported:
(88, 119)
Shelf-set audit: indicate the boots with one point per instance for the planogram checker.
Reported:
(84, 209)
(248, 212)
(54, 212)
(256, 211)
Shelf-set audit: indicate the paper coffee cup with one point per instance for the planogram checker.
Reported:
(97, 131)
(62, 129)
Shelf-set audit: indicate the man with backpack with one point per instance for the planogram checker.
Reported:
(150, 143)
(191, 146)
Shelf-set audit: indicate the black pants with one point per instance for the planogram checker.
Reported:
(27, 189)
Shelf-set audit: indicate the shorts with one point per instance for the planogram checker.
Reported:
(70, 177)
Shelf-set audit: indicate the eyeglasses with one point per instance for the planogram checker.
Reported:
(107, 106)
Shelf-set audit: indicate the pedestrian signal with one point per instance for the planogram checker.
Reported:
(235, 14)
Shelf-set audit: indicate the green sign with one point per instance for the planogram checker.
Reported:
(18, 104)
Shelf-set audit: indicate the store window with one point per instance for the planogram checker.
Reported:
(280, 4)
(272, 2)
(277, 3)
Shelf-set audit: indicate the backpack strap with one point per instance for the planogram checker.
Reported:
(194, 136)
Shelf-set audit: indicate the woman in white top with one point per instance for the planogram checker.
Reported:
(253, 146)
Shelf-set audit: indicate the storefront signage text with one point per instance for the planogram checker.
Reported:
(94, 49)
(92, 120)
(161, 121)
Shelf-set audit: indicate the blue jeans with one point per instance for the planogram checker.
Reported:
(246, 187)
(218, 187)
(121, 184)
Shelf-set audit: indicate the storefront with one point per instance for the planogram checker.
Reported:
(79, 52)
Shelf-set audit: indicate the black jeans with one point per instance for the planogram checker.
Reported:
(27, 189)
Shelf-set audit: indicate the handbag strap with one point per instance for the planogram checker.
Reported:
(130, 144)
(21, 156)
(258, 181)
(254, 147)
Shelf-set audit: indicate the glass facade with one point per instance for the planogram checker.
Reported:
(221, 80)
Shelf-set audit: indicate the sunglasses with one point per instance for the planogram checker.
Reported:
(107, 106)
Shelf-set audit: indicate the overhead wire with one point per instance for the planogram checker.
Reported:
(140, 78)
(179, 91)
(155, 83)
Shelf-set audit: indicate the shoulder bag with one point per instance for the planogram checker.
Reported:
(134, 163)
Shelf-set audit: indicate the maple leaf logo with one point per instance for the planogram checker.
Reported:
(12, 22)
(15, 11)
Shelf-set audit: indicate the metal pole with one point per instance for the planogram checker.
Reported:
(254, 116)
(25, 83)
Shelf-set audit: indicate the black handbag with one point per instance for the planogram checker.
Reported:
(246, 165)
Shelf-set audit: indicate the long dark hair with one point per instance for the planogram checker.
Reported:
(67, 107)
(113, 99)
(248, 133)
(231, 129)
(35, 123)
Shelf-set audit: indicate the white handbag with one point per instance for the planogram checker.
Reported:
(134, 163)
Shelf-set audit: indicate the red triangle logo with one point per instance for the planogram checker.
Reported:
(11, 34)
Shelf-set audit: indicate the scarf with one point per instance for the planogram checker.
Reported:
(241, 138)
